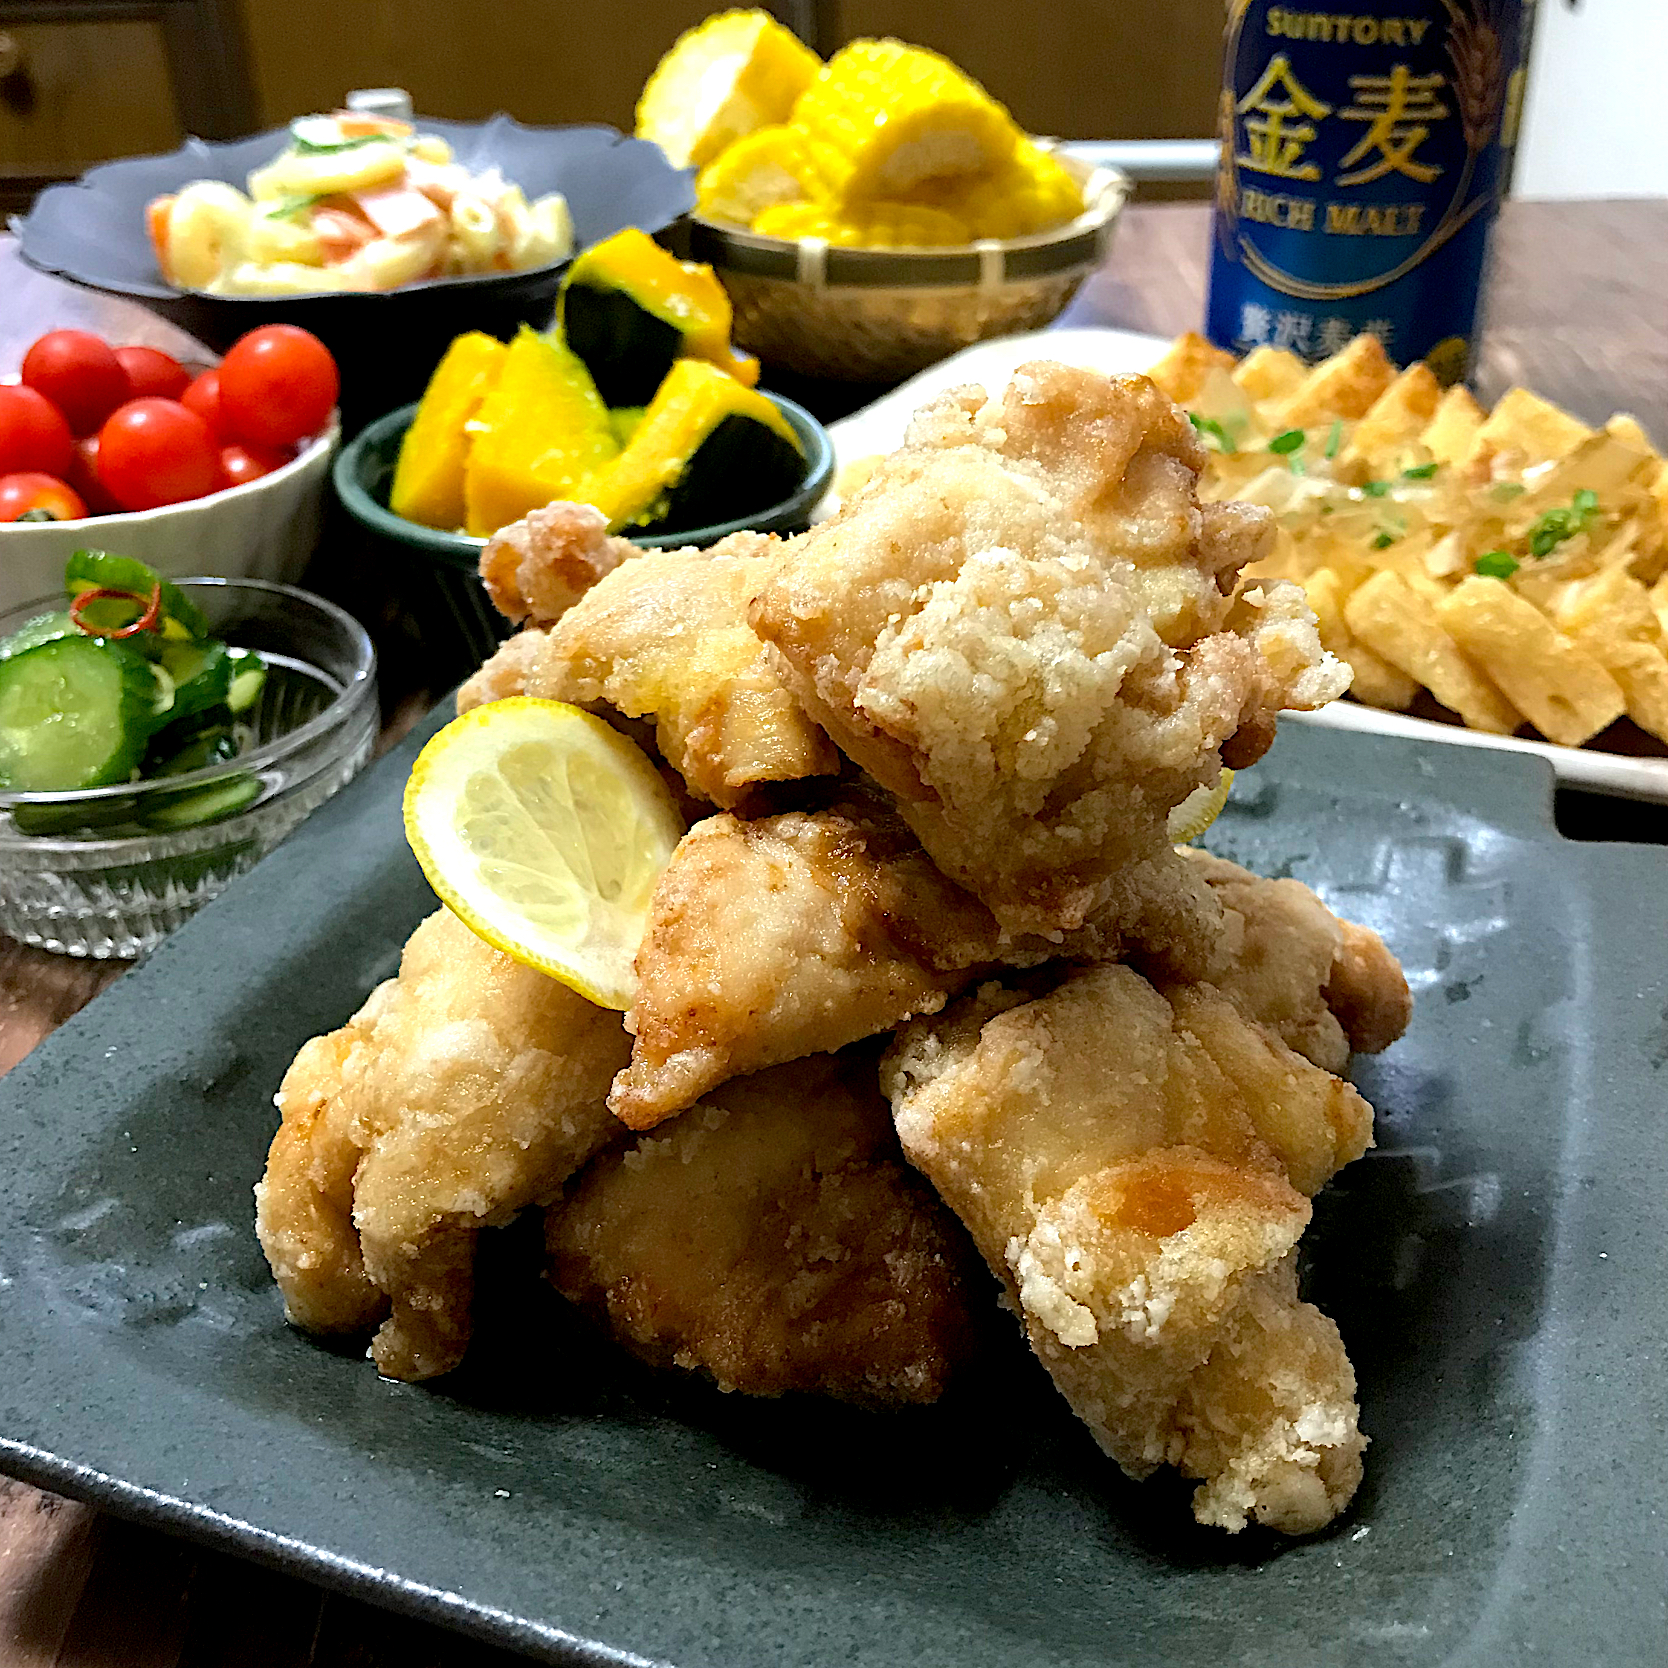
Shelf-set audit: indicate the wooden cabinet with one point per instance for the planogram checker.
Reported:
(79, 92)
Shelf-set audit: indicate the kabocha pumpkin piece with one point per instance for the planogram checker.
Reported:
(629, 309)
(540, 434)
(707, 450)
(428, 479)
(722, 79)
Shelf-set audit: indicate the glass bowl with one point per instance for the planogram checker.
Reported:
(109, 872)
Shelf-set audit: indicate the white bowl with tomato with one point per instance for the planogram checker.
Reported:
(192, 470)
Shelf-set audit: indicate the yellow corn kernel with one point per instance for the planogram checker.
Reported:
(723, 79)
(898, 117)
(869, 226)
(775, 165)
(1035, 192)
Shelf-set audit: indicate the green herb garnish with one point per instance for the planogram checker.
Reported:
(1334, 437)
(1552, 529)
(1422, 473)
(1383, 540)
(1496, 564)
(1287, 442)
(284, 208)
(1375, 489)
(1213, 430)
(1504, 492)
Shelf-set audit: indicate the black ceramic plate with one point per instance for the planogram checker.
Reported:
(93, 233)
(1495, 1265)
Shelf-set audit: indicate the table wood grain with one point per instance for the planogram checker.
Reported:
(1576, 311)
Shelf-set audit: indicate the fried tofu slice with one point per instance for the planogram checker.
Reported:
(665, 637)
(537, 568)
(776, 1240)
(1326, 987)
(1186, 366)
(1032, 635)
(1453, 427)
(1373, 680)
(1270, 373)
(1344, 386)
(1125, 1159)
(463, 1091)
(1402, 626)
(1394, 421)
(1559, 687)
(793, 935)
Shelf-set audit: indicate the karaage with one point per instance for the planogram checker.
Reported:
(1327, 987)
(665, 636)
(1029, 631)
(776, 1240)
(537, 568)
(463, 1091)
(1133, 1165)
(796, 934)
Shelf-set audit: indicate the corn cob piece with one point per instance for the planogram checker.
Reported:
(774, 165)
(1033, 193)
(723, 79)
(898, 117)
(867, 226)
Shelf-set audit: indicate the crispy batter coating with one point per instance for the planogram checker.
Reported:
(776, 1240)
(1029, 631)
(537, 568)
(1133, 1165)
(797, 934)
(463, 1091)
(1327, 987)
(665, 636)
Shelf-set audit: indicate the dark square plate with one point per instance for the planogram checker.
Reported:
(1496, 1266)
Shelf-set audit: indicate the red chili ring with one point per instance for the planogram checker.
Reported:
(147, 621)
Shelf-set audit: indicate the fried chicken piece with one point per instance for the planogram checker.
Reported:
(776, 1240)
(1133, 1165)
(537, 568)
(665, 636)
(1327, 987)
(1031, 633)
(462, 1091)
(797, 934)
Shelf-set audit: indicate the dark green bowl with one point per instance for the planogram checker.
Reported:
(364, 469)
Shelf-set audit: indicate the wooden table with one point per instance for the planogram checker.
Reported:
(1576, 303)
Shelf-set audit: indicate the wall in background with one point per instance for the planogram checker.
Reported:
(1593, 117)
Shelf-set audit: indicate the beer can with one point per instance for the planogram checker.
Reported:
(1364, 152)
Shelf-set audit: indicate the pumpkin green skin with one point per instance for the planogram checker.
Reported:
(627, 349)
(739, 468)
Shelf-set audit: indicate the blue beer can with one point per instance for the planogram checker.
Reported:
(1364, 152)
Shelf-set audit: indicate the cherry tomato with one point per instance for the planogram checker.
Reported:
(240, 463)
(277, 385)
(203, 397)
(79, 373)
(150, 371)
(34, 492)
(33, 433)
(83, 478)
(154, 452)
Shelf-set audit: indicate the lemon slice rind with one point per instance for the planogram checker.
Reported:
(1200, 809)
(544, 830)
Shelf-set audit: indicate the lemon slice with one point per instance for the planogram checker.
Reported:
(544, 831)
(1199, 810)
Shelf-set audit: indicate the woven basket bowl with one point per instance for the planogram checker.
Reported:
(879, 315)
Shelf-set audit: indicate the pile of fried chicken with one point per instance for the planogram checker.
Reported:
(930, 985)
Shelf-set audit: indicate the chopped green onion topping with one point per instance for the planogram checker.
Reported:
(1496, 564)
(1553, 528)
(1375, 489)
(1213, 430)
(1334, 437)
(1296, 465)
(1422, 473)
(1384, 540)
(1287, 442)
(1505, 491)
